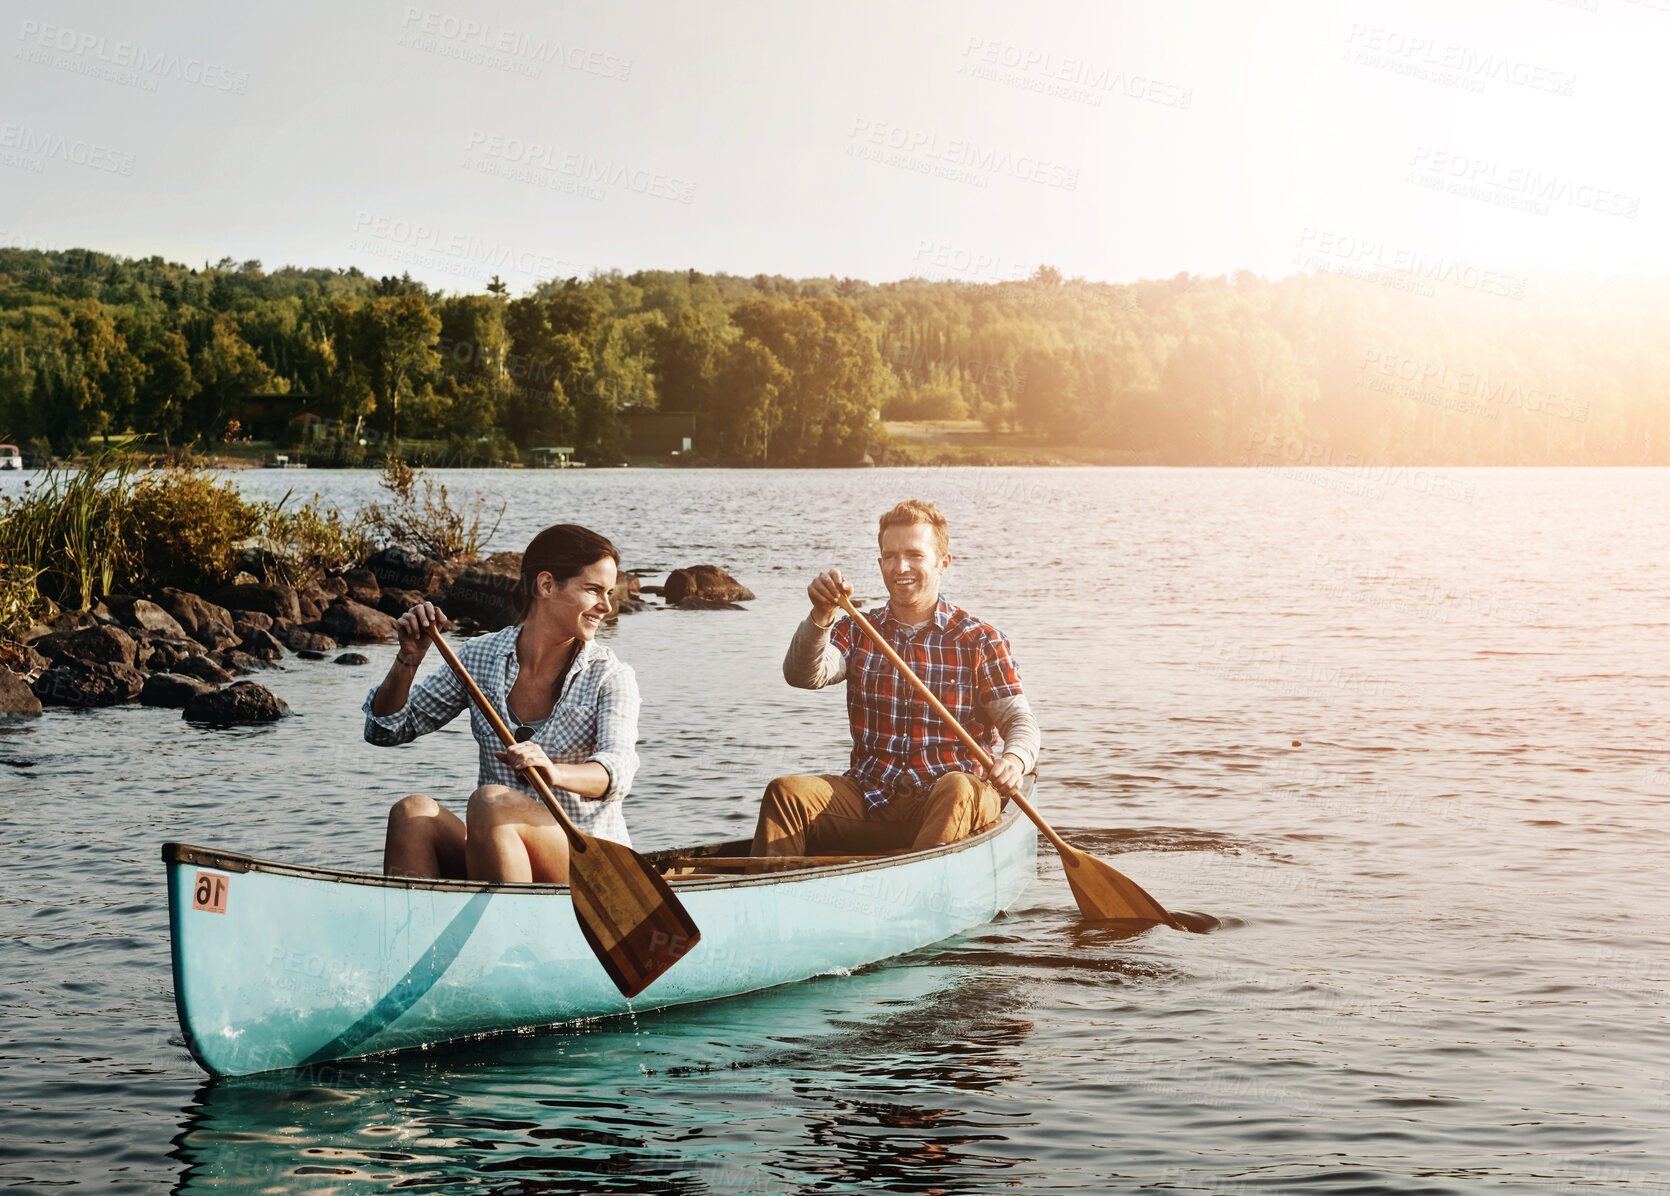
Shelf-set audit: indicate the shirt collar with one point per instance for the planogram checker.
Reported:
(941, 616)
(589, 650)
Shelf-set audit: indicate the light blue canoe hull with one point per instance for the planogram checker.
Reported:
(307, 965)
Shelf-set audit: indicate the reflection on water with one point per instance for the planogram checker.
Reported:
(883, 1078)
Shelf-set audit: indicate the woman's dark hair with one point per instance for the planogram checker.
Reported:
(562, 551)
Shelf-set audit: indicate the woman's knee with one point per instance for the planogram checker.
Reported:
(413, 806)
(491, 805)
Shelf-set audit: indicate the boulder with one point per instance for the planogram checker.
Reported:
(239, 663)
(16, 695)
(705, 581)
(215, 636)
(190, 611)
(162, 653)
(269, 598)
(398, 569)
(352, 658)
(331, 587)
(140, 615)
(363, 586)
(311, 607)
(69, 620)
(24, 661)
(309, 654)
(96, 643)
(485, 593)
(350, 622)
(625, 595)
(171, 690)
(240, 702)
(202, 668)
(395, 603)
(247, 620)
(302, 641)
(89, 683)
(262, 645)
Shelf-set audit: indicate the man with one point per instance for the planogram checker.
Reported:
(911, 783)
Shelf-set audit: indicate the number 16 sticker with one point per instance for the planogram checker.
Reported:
(209, 892)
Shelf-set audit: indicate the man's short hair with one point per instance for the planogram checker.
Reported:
(914, 510)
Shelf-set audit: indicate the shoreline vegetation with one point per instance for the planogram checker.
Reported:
(1440, 364)
(163, 586)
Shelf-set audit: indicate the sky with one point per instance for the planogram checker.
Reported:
(973, 141)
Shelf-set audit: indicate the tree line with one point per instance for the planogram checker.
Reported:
(1564, 369)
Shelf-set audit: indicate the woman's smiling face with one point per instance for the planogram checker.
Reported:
(579, 605)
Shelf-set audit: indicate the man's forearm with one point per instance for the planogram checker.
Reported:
(811, 662)
(1015, 722)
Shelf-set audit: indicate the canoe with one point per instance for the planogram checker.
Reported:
(281, 966)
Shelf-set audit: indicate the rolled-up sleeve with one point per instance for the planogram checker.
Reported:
(433, 702)
(617, 730)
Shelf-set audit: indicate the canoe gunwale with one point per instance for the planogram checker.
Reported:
(231, 861)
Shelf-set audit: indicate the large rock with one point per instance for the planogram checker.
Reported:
(262, 645)
(110, 645)
(69, 620)
(215, 636)
(302, 640)
(16, 695)
(201, 667)
(311, 607)
(397, 569)
(162, 653)
(705, 581)
(363, 586)
(626, 595)
(269, 598)
(329, 588)
(240, 702)
(485, 593)
(171, 690)
(350, 622)
(190, 610)
(246, 620)
(140, 615)
(24, 661)
(89, 683)
(395, 603)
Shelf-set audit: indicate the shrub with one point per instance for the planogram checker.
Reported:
(312, 538)
(186, 529)
(427, 522)
(68, 533)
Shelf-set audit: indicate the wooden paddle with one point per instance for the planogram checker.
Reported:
(1102, 891)
(636, 927)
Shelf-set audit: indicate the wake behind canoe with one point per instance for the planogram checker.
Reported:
(280, 966)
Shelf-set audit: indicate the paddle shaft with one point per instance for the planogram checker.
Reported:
(576, 840)
(980, 753)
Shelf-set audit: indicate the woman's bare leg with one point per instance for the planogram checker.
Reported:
(424, 840)
(512, 837)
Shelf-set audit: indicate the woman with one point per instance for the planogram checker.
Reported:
(572, 704)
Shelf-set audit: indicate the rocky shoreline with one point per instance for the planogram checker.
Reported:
(179, 650)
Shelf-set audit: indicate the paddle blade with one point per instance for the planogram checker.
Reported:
(1104, 893)
(636, 927)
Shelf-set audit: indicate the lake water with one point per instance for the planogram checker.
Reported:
(1403, 734)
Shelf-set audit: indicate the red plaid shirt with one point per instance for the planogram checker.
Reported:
(899, 745)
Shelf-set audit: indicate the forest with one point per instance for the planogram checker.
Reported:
(1191, 370)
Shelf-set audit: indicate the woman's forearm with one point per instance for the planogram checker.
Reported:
(396, 686)
(588, 779)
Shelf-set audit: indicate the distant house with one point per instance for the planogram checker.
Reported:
(659, 433)
(266, 416)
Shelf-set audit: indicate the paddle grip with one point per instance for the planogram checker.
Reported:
(980, 753)
(576, 841)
